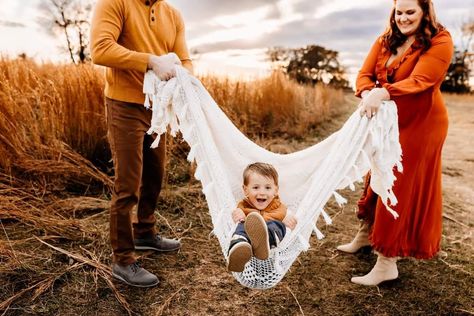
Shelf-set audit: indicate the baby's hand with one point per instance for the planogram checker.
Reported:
(238, 215)
(290, 221)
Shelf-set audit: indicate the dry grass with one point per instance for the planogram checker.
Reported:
(47, 109)
(275, 105)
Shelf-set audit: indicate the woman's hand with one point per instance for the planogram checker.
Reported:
(371, 101)
(238, 215)
(290, 221)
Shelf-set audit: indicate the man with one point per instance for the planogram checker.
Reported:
(129, 37)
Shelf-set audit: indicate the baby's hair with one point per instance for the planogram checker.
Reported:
(261, 168)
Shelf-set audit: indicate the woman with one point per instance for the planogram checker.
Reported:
(407, 64)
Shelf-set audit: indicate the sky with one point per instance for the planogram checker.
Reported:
(230, 37)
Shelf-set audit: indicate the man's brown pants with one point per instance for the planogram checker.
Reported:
(138, 175)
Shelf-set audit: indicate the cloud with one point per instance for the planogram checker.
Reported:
(11, 24)
(344, 30)
(203, 11)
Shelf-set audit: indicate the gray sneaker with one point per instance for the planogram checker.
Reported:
(157, 243)
(134, 275)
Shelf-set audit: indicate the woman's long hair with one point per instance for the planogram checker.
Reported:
(428, 28)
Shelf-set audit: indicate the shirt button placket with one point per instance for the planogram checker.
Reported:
(152, 16)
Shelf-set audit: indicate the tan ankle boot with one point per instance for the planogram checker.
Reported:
(360, 240)
(384, 270)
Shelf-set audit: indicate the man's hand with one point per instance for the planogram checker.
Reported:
(238, 215)
(371, 101)
(163, 66)
(290, 221)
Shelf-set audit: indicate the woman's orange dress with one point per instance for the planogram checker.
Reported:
(413, 81)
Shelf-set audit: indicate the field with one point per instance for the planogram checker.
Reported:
(55, 179)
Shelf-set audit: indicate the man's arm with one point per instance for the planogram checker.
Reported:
(180, 47)
(106, 28)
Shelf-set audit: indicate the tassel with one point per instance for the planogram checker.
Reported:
(151, 130)
(351, 185)
(198, 172)
(339, 199)
(156, 142)
(326, 217)
(148, 83)
(318, 233)
(207, 189)
(392, 211)
(192, 153)
(304, 243)
(182, 112)
(147, 101)
(399, 166)
(392, 197)
(174, 125)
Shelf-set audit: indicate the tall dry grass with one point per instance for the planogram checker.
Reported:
(274, 105)
(47, 110)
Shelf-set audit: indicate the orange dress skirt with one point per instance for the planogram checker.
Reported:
(413, 81)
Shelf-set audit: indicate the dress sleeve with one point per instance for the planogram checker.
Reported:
(106, 28)
(366, 77)
(430, 68)
(180, 48)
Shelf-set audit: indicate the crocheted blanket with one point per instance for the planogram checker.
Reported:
(308, 178)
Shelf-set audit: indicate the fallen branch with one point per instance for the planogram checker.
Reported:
(454, 220)
(297, 302)
(455, 267)
(166, 303)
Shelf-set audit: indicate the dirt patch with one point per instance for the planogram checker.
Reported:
(194, 281)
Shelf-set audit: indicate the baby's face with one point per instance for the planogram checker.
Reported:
(260, 190)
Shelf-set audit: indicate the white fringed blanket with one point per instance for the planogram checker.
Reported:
(308, 178)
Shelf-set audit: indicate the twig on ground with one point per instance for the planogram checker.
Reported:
(186, 230)
(466, 311)
(203, 224)
(166, 303)
(95, 215)
(10, 244)
(454, 220)
(455, 267)
(294, 296)
(460, 240)
(167, 223)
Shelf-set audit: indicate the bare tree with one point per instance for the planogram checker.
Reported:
(459, 71)
(69, 18)
(468, 40)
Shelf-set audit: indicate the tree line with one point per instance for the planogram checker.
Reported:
(307, 65)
